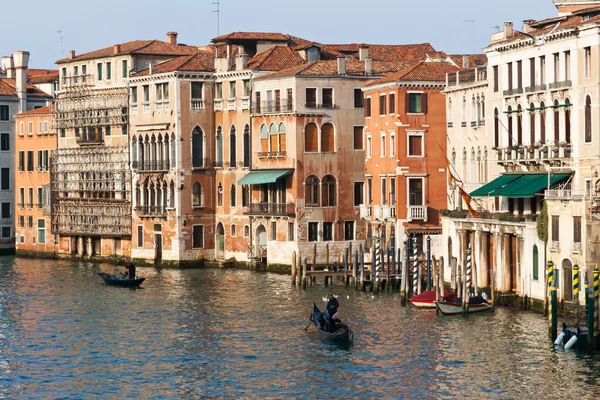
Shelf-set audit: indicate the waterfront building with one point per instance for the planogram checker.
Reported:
(34, 145)
(541, 109)
(405, 148)
(16, 96)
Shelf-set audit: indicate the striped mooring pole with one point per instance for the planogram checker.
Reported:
(596, 292)
(468, 277)
(415, 267)
(551, 320)
(576, 293)
(377, 259)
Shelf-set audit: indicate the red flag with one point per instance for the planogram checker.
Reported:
(467, 199)
(451, 176)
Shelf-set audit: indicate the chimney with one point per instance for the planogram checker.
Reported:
(21, 59)
(172, 37)
(241, 60)
(508, 30)
(465, 61)
(116, 48)
(71, 54)
(368, 61)
(527, 25)
(363, 52)
(8, 65)
(150, 68)
(341, 65)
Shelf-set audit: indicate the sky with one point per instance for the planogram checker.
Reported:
(49, 29)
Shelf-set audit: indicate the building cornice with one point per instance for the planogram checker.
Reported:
(521, 43)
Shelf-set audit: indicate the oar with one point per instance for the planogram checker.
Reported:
(308, 325)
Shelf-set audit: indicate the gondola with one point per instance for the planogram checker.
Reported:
(120, 280)
(342, 334)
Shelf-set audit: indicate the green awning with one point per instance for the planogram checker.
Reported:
(489, 188)
(263, 176)
(528, 185)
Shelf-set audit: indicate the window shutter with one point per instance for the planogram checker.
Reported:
(311, 138)
(407, 103)
(424, 103)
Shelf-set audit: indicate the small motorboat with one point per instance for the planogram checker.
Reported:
(342, 332)
(120, 280)
(476, 304)
(427, 299)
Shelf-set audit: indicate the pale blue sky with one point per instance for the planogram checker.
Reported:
(33, 25)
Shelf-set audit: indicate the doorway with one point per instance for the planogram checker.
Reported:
(157, 247)
(261, 243)
(220, 241)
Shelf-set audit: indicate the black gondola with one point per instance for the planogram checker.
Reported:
(342, 332)
(120, 280)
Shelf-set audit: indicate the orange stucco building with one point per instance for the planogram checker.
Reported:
(405, 154)
(35, 144)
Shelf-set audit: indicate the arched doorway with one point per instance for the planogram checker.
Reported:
(220, 241)
(261, 243)
(567, 287)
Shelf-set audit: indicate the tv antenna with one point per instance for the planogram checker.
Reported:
(218, 12)
(496, 27)
(61, 39)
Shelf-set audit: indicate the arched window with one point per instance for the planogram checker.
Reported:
(464, 110)
(588, 119)
(246, 145)
(464, 163)
(473, 109)
(473, 167)
(567, 121)
(327, 139)
(172, 195)
(264, 139)
(134, 153)
(197, 195)
(138, 198)
(556, 122)
(220, 196)
(232, 148)
(246, 230)
(219, 147)
(542, 122)
(282, 138)
(311, 191)
(531, 124)
(232, 195)
(482, 105)
(233, 230)
(197, 148)
(485, 165)
(496, 129)
(311, 138)
(328, 191)
(519, 125)
(510, 127)
(245, 195)
(536, 272)
(167, 153)
(274, 137)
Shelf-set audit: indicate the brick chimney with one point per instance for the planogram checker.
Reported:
(116, 48)
(172, 37)
(8, 65)
(21, 59)
(71, 54)
(341, 65)
(508, 30)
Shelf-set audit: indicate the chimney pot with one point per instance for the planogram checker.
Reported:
(8, 64)
(150, 68)
(363, 52)
(116, 48)
(172, 37)
(21, 59)
(71, 54)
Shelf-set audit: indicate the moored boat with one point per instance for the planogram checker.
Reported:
(120, 280)
(342, 332)
(456, 307)
(427, 299)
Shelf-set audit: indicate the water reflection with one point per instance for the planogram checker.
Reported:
(229, 333)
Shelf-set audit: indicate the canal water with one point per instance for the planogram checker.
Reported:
(232, 333)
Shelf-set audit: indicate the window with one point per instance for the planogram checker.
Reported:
(290, 232)
(359, 188)
(567, 121)
(536, 269)
(146, 89)
(392, 103)
(328, 186)
(246, 87)
(273, 230)
(495, 72)
(289, 104)
(358, 138)
(519, 74)
(232, 195)
(140, 236)
(556, 67)
(327, 94)
(312, 191)
(311, 97)
(41, 231)
(382, 144)
(369, 146)
(5, 176)
(30, 128)
(4, 142)
(542, 70)
(124, 69)
(108, 71)
(40, 196)
(22, 128)
(246, 231)
(556, 122)
(40, 157)
(6, 231)
(348, 230)
(383, 190)
(247, 146)
(367, 108)
(311, 138)
(415, 191)
(232, 147)
(358, 98)
(30, 221)
(197, 99)
(542, 122)
(588, 61)
(219, 90)
(162, 91)
(233, 230)
(327, 231)
(392, 144)
(30, 160)
(197, 148)
(519, 125)
(567, 65)
(21, 197)
(133, 95)
(369, 190)
(577, 229)
(21, 160)
(327, 138)
(392, 190)
(232, 89)
(313, 229)
(45, 126)
(39, 132)
(30, 192)
(4, 113)
(198, 236)
(415, 145)
(555, 227)
(21, 221)
(382, 100)
(197, 195)
(509, 70)
(588, 119)
(416, 103)
(220, 196)
(98, 72)
(219, 147)
(5, 210)
(84, 73)
(532, 71)
(64, 76)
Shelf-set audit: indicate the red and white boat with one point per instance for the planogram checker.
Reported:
(427, 299)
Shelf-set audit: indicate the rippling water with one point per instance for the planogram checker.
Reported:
(230, 334)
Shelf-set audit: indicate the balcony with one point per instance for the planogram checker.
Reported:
(365, 211)
(89, 138)
(513, 92)
(147, 165)
(245, 103)
(577, 248)
(218, 104)
(560, 85)
(555, 153)
(272, 154)
(231, 104)
(272, 209)
(197, 104)
(449, 124)
(218, 164)
(463, 124)
(555, 246)
(473, 124)
(273, 107)
(151, 210)
(481, 122)
(417, 213)
(536, 88)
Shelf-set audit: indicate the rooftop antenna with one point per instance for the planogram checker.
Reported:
(471, 21)
(217, 11)
(62, 42)
(496, 27)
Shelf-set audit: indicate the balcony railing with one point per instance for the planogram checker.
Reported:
(245, 103)
(513, 92)
(463, 124)
(151, 210)
(147, 165)
(89, 138)
(218, 104)
(197, 104)
(532, 154)
(273, 107)
(449, 124)
(473, 124)
(272, 154)
(417, 213)
(365, 211)
(560, 85)
(272, 209)
(555, 246)
(577, 248)
(231, 106)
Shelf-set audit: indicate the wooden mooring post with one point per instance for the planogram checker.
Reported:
(294, 268)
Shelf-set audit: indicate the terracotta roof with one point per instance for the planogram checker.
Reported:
(330, 68)
(38, 76)
(475, 60)
(385, 52)
(38, 111)
(275, 59)
(201, 61)
(8, 88)
(421, 72)
(151, 47)
(273, 36)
